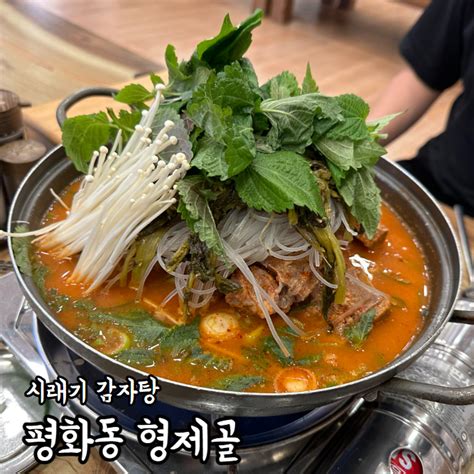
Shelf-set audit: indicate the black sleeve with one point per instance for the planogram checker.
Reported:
(433, 47)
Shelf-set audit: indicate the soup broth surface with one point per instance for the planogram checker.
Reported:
(112, 321)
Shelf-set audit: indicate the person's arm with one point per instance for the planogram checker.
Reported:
(433, 50)
(405, 93)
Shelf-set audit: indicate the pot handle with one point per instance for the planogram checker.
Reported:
(426, 391)
(77, 96)
(463, 311)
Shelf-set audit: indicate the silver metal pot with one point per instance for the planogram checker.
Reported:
(3, 204)
(406, 196)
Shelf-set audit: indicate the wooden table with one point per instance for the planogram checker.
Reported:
(282, 10)
(42, 118)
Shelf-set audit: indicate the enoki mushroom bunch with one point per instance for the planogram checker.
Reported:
(121, 194)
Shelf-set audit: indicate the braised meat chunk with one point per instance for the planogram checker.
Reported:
(290, 282)
(295, 275)
(287, 282)
(244, 299)
(377, 239)
(360, 297)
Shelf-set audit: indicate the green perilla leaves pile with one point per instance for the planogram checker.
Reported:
(277, 147)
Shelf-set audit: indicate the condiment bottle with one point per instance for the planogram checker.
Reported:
(17, 154)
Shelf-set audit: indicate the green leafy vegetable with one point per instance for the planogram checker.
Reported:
(155, 79)
(281, 86)
(184, 77)
(181, 341)
(324, 240)
(210, 158)
(357, 333)
(125, 121)
(144, 327)
(292, 118)
(335, 260)
(178, 130)
(175, 70)
(362, 195)
(233, 89)
(40, 272)
(228, 89)
(279, 148)
(338, 152)
(367, 152)
(353, 106)
(21, 250)
(249, 72)
(209, 361)
(145, 252)
(277, 182)
(256, 357)
(352, 128)
(337, 174)
(395, 276)
(241, 148)
(309, 360)
(209, 116)
(379, 124)
(30, 266)
(178, 342)
(84, 304)
(238, 383)
(216, 92)
(227, 29)
(271, 347)
(213, 103)
(56, 300)
(309, 84)
(321, 125)
(136, 356)
(84, 134)
(133, 94)
(231, 43)
(225, 285)
(194, 209)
